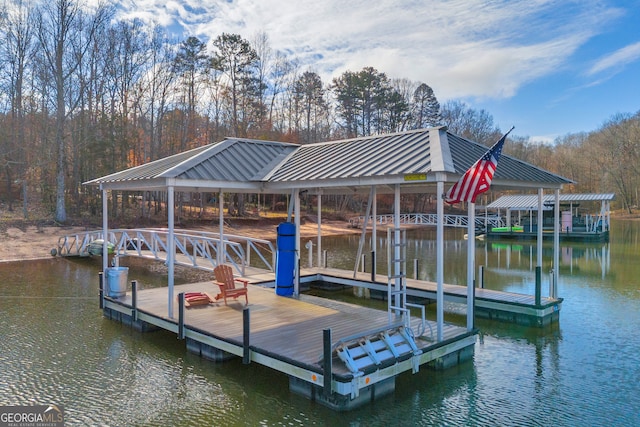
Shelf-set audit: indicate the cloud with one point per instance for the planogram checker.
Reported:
(461, 48)
(616, 60)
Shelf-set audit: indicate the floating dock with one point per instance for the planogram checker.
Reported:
(566, 236)
(338, 354)
(490, 304)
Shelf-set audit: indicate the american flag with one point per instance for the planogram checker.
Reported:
(478, 178)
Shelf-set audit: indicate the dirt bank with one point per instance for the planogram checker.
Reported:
(33, 242)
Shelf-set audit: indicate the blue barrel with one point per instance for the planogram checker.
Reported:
(285, 258)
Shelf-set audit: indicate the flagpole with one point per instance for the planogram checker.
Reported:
(471, 260)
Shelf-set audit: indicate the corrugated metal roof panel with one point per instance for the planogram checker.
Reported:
(393, 154)
(345, 163)
(465, 153)
(151, 169)
(231, 160)
(236, 160)
(530, 201)
(398, 154)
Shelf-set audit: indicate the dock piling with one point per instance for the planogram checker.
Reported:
(538, 285)
(134, 300)
(181, 316)
(373, 266)
(246, 351)
(327, 363)
(101, 286)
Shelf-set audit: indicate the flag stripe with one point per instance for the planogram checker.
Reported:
(477, 179)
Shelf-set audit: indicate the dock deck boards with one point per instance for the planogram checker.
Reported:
(457, 291)
(288, 327)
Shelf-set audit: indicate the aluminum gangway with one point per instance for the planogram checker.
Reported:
(197, 249)
(450, 220)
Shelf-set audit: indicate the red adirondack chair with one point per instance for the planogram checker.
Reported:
(227, 284)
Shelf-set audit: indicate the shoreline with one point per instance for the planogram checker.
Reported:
(36, 242)
(32, 243)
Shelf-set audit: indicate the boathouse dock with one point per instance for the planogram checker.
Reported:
(356, 359)
(338, 354)
(196, 246)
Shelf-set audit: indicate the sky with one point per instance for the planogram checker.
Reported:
(547, 67)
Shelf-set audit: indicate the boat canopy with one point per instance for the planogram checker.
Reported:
(529, 202)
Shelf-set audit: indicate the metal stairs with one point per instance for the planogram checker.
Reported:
(377, 348)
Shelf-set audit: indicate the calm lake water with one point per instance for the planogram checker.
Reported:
(57, 348)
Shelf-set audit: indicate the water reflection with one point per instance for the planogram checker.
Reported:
(508, 265)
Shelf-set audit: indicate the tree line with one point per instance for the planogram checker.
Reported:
(83, 95)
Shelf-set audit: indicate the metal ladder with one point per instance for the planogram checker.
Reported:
(397, 274)
(397, 305)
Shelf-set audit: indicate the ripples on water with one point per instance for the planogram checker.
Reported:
(57, 348)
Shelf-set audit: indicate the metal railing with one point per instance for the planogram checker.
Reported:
(460, 221)
(197, 249)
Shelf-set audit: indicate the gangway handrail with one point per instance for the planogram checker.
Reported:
(450, 220)
(251, 244)
(196, 246)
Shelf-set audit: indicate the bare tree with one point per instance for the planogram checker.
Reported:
(15, 53)
(615, 148)
(476, 125)
(65, 34)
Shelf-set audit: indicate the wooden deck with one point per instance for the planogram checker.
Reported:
(454, 293)
(291, 328)
(498, 305)
(287, 334)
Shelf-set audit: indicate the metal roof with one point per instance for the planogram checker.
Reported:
(353, 159)
(510, 170)
(530, 201)
(414, 159)
(390, 159)
(229, 163)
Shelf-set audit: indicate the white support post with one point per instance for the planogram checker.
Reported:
(396, 239)
(105, 233)
(556, 243)
(471, 260)
(171, 248)
(440, 260)
(319, 249)
(296, 283)
(540, 225)
(374, 236)
(363, 235)
(221, 248)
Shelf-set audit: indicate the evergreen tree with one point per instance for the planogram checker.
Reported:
(426, 108)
